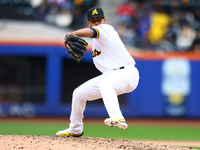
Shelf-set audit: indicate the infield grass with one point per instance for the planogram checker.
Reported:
(133, 132)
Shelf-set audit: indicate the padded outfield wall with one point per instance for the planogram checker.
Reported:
(38, 78)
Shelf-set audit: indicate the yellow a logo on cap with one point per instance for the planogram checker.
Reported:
(94, 12)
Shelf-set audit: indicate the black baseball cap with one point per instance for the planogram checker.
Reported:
(94, 13)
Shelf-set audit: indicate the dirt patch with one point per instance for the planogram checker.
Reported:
(16, 142)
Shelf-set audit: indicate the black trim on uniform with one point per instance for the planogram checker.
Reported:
(95, 33)
(122, 67)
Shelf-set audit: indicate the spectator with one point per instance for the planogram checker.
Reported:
(64, 18)
(125, 12)
(159, 23)
(79, 13)
(185, 38)
(41, 9)
(53, 9)
(57, 12)
(143, 25)
(197, 48)
(142, 29)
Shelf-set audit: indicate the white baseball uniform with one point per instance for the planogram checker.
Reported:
(119, 76)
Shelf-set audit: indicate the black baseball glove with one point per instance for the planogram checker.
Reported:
(75, 46)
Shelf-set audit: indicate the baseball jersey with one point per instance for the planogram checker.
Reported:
(108, 50)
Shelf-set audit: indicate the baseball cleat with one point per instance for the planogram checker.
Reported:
(112, 122)
(67, 133)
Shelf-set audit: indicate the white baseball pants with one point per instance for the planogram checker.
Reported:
(106, 86)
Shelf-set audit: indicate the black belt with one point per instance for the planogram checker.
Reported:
(122, 67)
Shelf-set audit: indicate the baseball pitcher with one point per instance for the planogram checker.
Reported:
(119, 72)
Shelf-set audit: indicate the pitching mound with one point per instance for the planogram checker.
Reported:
(12, 142)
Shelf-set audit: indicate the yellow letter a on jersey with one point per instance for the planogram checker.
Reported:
(95, 53)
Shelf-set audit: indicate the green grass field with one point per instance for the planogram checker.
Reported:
(90, 130)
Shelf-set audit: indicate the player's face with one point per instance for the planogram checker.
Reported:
(96, 21)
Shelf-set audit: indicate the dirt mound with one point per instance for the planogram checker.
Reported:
(12, 142)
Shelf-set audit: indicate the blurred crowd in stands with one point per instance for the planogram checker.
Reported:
(64, 13)
(160, 25)
(167, 25)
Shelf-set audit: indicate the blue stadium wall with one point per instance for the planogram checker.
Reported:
(148, 100)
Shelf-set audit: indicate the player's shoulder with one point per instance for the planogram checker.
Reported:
(104, 26)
